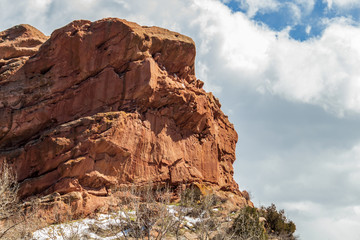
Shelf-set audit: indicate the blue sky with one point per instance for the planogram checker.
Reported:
(287, 74)
(307, 19)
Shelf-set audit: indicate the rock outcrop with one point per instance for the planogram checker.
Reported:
(106, 103)
(16, 45)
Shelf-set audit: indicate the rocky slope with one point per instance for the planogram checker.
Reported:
(106, 103)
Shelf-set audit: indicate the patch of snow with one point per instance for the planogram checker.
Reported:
(81, 228)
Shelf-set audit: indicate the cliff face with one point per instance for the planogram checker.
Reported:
(105, 103)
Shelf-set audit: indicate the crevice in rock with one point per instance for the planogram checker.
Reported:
(102, 44)
(46, 70)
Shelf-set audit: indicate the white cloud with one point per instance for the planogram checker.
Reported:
(314, 186)
(254, 6)
(338, 223)
(305, 207)
(322, 71)
(343, 3)
(295, 12)
(294, 9)
(307, 5)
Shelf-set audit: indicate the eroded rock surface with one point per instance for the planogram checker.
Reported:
(106, 103)
(17, 44)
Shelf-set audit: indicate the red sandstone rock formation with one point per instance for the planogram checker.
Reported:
(16, 45)
(109, 102)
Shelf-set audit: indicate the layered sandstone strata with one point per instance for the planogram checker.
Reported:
(106, 103)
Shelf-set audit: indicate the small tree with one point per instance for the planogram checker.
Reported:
(146, 213)
(277, 224)
(199, 207)
(247, 226)
(207, 220)
(8, 192)
(17, 218)
(8, 199)
(9, 202)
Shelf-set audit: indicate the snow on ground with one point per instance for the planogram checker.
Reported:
(81, 228)
(87, 228)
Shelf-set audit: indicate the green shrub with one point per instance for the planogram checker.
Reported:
(191, 196)
(277, 223)
(248, 226)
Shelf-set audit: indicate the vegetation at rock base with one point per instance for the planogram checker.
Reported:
(247, 225)
(147, 212)
(8, 192)
(9, 203)
(15, 216)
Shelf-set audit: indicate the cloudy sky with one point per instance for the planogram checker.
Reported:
(287, 74)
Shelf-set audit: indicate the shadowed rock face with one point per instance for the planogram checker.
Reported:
(109, 102)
